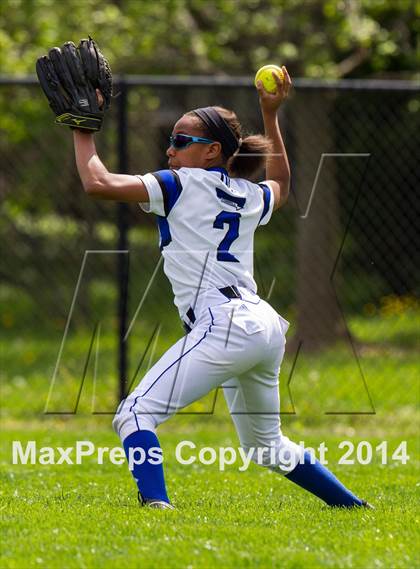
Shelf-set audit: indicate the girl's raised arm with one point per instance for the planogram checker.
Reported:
(97, 181)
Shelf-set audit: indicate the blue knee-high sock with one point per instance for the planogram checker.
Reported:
(149, 477)
(320, 481)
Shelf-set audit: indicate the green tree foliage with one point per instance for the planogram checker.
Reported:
(46, 221)
(331, 38)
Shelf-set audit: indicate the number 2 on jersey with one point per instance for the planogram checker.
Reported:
(232, 220)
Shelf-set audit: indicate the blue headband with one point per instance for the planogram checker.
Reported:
(219, 130)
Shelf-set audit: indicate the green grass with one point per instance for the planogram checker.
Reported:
(87, 515)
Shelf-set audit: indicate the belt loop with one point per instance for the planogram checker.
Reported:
(230, 292)
(191, 315)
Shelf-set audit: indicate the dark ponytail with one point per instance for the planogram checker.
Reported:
(251, 156)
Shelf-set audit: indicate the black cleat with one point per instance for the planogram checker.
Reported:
(154, 504)
(367, 505)
(158, 505)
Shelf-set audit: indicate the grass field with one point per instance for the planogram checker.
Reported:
(87, 515)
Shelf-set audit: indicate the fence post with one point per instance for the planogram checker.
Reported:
(123, 259)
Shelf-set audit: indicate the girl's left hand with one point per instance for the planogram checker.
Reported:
(271, 101)
(99, 98)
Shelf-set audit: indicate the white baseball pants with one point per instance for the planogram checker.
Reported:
(238, 344)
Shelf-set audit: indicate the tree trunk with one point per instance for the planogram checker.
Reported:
(319, 320)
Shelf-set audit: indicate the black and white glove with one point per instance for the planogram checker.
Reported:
(70, 77)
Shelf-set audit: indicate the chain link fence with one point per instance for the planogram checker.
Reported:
(339, 260)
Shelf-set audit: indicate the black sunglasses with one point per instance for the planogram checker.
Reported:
(183, 140)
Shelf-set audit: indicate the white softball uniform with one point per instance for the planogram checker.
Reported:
(207, 222)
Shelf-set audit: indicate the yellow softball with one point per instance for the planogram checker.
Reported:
(265, 75)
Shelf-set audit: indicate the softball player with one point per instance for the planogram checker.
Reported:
(207, 212)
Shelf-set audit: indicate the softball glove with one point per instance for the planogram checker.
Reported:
(69, 78)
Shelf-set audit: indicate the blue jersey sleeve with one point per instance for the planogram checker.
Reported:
(164, 188)
(267, 203)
